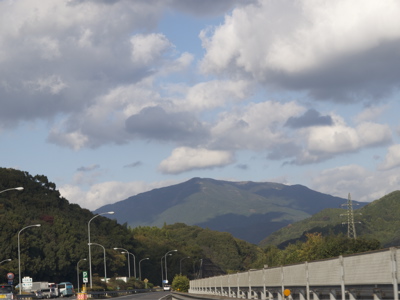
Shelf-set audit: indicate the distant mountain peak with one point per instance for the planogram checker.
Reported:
(249, 210)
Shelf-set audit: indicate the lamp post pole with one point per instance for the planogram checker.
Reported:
(180, 265)
(140, 271)
(166, 254)
(77, 271)
(105, 266)
(90, 256)
(9, 259)
(129, 264)
(134, 263)
(19, 255)
(20, 188)
(162, 271)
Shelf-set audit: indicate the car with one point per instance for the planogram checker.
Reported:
(167, 288)
(7, 292)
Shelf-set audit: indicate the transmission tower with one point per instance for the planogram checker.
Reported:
(351, 229)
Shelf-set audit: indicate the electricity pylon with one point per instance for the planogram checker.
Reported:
(351, 229)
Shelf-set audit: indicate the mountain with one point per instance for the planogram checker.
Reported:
(378, 220)
(52, 251)
(248, 210)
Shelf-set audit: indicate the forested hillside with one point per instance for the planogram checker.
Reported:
(51, 252)
(379, 220)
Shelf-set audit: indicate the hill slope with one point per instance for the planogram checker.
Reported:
(51, 252)
(248, 210)
(379, 220)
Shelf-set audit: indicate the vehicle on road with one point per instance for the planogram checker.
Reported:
(38, 294)
(167, 287)
(65, 289)
(7, 292)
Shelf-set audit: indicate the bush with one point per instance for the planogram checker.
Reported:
(180, 283)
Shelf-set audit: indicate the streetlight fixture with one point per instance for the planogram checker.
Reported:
(105, 267)
(77, 271)
(129, 263)
(90, 256)
(166, 273)
(9, 259)
(134, 262)
(140, 271)
(180, 265)
(19, 255)
(20, 188)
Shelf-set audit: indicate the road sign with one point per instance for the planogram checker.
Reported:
(85, 277)
(10, 276)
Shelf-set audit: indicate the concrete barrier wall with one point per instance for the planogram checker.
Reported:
(344, 275)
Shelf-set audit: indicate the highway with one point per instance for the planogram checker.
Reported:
(145, 296)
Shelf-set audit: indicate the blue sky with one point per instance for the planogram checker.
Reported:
(109, 99)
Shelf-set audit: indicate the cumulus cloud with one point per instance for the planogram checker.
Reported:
(108, 192)
(363, 184)
(310, 118)
(392, 158)
(326, 142)
(156, 123)
(256, 126)
(315, 46)
(184, 159)
(371, 113)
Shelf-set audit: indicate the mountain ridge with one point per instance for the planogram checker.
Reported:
(248, 210)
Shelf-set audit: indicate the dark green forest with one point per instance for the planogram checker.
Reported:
(52, 251)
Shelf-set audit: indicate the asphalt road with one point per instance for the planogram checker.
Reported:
(145, 296)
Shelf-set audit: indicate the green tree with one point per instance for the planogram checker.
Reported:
(180, 283)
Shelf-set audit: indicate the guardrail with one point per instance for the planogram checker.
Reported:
(371, 275)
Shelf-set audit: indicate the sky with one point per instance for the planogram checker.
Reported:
(112, 98)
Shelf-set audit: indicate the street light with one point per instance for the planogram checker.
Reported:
(77, 271)
(180, 265)
(140, 271)
(166, 273)
(90, 256)
(19, 256)
(134, 262)
(20, 188)
(162, 269)
(9, 259)
(105, 267)
(129, 264)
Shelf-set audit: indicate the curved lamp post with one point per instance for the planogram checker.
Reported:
(129, 261)
(140, 271)
(77, 271)
(166, 254)
(180, 265)
(90, 256)
(134, 262)
(19, 256)
(105, 267)
(20, 188)
(9, 259)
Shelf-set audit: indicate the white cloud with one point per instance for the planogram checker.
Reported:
(257, 126)
(392, 158)
(304, 44)
(341, 138)
(214, 94)
(371, 113)
(104, 193)
(362, 184)
(184, 159)
(148, 49)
